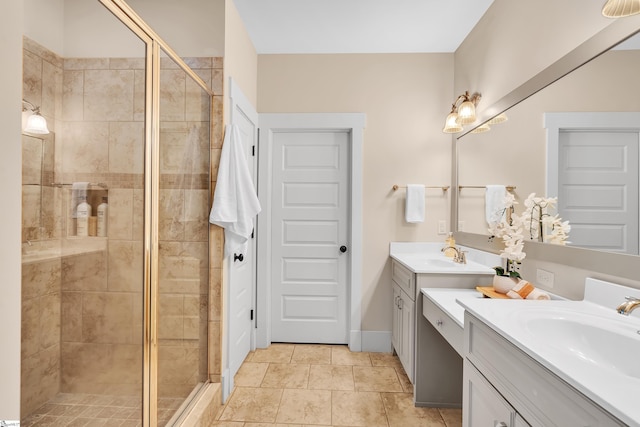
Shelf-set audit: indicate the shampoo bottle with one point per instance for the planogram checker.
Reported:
(102, 218)
(83, 212)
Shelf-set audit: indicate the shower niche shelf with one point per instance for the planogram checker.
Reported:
(94, 197)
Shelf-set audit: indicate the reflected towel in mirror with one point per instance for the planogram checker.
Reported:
(494, 203)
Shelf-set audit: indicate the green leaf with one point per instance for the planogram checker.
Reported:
(515, 274)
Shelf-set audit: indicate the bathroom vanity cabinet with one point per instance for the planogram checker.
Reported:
(403, 330)
(505, 387)
(486, 407)
(432, 364)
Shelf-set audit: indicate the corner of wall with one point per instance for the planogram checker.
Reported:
(11, 30)
(240, 58)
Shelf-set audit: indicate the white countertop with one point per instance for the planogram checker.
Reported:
(604, 383)
(447, 300)
(427, 258)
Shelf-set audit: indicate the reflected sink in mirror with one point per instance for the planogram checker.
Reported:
(605, 342)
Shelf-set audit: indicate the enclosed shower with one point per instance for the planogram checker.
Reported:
(115, 266)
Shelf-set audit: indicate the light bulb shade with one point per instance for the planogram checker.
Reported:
(482, 128)
(466, 113)
(36, 124)
(500, 118)
(451, 124)
(620, 8)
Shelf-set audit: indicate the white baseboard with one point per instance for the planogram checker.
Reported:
(227, 385)
(376, 341)
(355, 340)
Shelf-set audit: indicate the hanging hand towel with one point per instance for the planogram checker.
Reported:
(414, 209)
(494, 203)
(235, 202)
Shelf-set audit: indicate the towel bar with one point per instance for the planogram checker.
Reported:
(443, 188)
(508, 187)
(91, 184)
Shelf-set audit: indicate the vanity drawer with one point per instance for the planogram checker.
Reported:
(538, 395)
(404, 277)
(448, 328)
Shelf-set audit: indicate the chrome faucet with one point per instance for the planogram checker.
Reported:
(460, 257)
(628, 306)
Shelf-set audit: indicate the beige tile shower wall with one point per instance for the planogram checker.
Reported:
(216, 235)
(102, 301)
(40, 352)
(42, 86)
(41, 281)
(101, 139)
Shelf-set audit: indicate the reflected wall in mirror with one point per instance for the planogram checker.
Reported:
(515, 153)
(39, 218)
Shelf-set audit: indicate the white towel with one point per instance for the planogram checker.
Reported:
(235, 202)
(78, 192)
(494, 203)
(414, 209)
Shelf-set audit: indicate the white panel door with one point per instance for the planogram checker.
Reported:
(241, 267)
(309, 235)
(598, 188)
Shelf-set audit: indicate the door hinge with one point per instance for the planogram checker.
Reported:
(253, 233)
(253, 150)
(251, 314)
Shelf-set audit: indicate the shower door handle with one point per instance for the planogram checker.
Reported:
(237, 257)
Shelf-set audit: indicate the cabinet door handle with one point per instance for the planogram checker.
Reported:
(401, 301)
(500, 424)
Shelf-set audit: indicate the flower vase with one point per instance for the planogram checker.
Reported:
(503, 284)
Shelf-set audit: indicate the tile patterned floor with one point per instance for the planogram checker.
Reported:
(75, 410)
(298, 385)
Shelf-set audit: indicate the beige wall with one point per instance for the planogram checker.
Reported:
(405, 98)
(516, 150)
(44, 23)
(240, 58)
(507, 48)
(515, 40)
(90, 30)
(10, 194)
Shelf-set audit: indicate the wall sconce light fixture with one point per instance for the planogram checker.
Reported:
(463, 112)
(35, 122)
(620, 8)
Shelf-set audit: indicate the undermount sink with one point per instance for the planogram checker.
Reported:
(438, 263)
(445, 263)
(605, 342)
(585, 343)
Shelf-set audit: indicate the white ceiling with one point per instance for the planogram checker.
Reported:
(359, 26)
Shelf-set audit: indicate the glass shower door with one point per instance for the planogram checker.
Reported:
(83, 285)
(183, 233)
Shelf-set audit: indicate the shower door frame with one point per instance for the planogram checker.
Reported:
(154, 45)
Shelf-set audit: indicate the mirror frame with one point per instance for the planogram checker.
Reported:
(616, 264)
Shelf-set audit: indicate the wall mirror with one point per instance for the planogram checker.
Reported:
(535, 151)
(38, 207)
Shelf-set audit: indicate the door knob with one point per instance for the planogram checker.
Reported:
(343, 249)
(237, 257)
